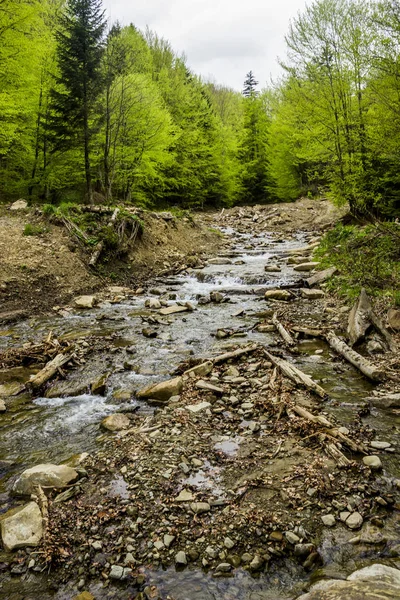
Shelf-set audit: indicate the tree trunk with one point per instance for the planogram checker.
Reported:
(362, 364)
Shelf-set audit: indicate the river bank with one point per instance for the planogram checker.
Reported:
(225, 478)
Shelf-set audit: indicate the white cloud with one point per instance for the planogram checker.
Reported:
(223, 39)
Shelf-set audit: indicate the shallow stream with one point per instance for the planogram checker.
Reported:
(54, 429)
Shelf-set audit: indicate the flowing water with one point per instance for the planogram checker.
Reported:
(54, 429)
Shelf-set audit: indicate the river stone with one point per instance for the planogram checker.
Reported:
(277, 295)
(116, 422)
(354, 521)
(307, 266)
(162, 391)
(197, 408)
(394, 318)
(219, 260)
(19, 205)
(184, 496)
(380, 445)
(312, 294)
(61, 389)
(22, 527)
(171, 310)
(84, 596)
(168, 539)
(228, 543)
(216, 297)
(152, 303)
(373, 462)
(2, 405)
(85, 301)
(272, 269)
(376, 582)
(117, 572)
(291, 537)
(209, 387)
(256, 563)
(328, 520)
(223, 568)
(200, 507)
(46, 475)
(10, 389)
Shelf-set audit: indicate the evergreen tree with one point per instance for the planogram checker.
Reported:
(79, 54)
(249, 86)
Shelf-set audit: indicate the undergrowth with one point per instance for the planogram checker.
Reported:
(366, 257)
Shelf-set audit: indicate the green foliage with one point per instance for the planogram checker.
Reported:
(366, 256)
(30, 229)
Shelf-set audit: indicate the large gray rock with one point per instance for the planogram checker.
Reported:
(19, 205)
(162, 391)
(307, 266)
(47, 475)
(116, 422)
(359, 319)
(394, 318)
(377, 582)
(22, 527)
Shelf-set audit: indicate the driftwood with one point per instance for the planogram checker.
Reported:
(224, 357)
(100, 246)
(296, 375)
(285, 335)
(331, 430)
(49, 370)
(362, 364)
(320, 277)
(362, 317)
(307, 331)
(333, 451)
(359, 321)
(43, 504)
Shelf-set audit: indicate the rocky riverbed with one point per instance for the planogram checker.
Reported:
(192, 466)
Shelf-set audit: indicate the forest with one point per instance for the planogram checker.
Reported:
(98, 112)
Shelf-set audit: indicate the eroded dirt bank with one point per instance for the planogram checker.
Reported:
(232, 480)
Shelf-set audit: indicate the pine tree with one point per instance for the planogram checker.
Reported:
(79, 53)
(249, 86)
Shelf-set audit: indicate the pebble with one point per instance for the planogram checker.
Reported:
(354, 521)
(380, 445)
(168, 539)
(223, 568)
(97, 545)
(328, 520)
(180, 558)
(373, 462)
(200, 507)
(184, 496)
(256, 563)
(116, 572)
(246, 558)
(291, 537)
(212, 553)
(228, 543)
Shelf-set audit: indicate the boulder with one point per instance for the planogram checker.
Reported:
(216, 297)
(61, 389)
(85, 301)
(393, 317)
(98, 387)
(162, 391)
(272, 269)
(277, 295)
(46, 475)
(22, 527)
(116, 422)
(377, 582)
(19, 205)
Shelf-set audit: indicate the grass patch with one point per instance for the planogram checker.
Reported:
(366, 257)
(30, 229)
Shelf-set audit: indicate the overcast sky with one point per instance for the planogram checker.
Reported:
(222, 39)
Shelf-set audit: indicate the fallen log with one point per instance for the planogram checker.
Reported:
(49, 370)
(333, 451)
(307, 331)
(386, 401)
(362, 364)
(285, 335)
(319, 277)
(234, 354)
(296, 375)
